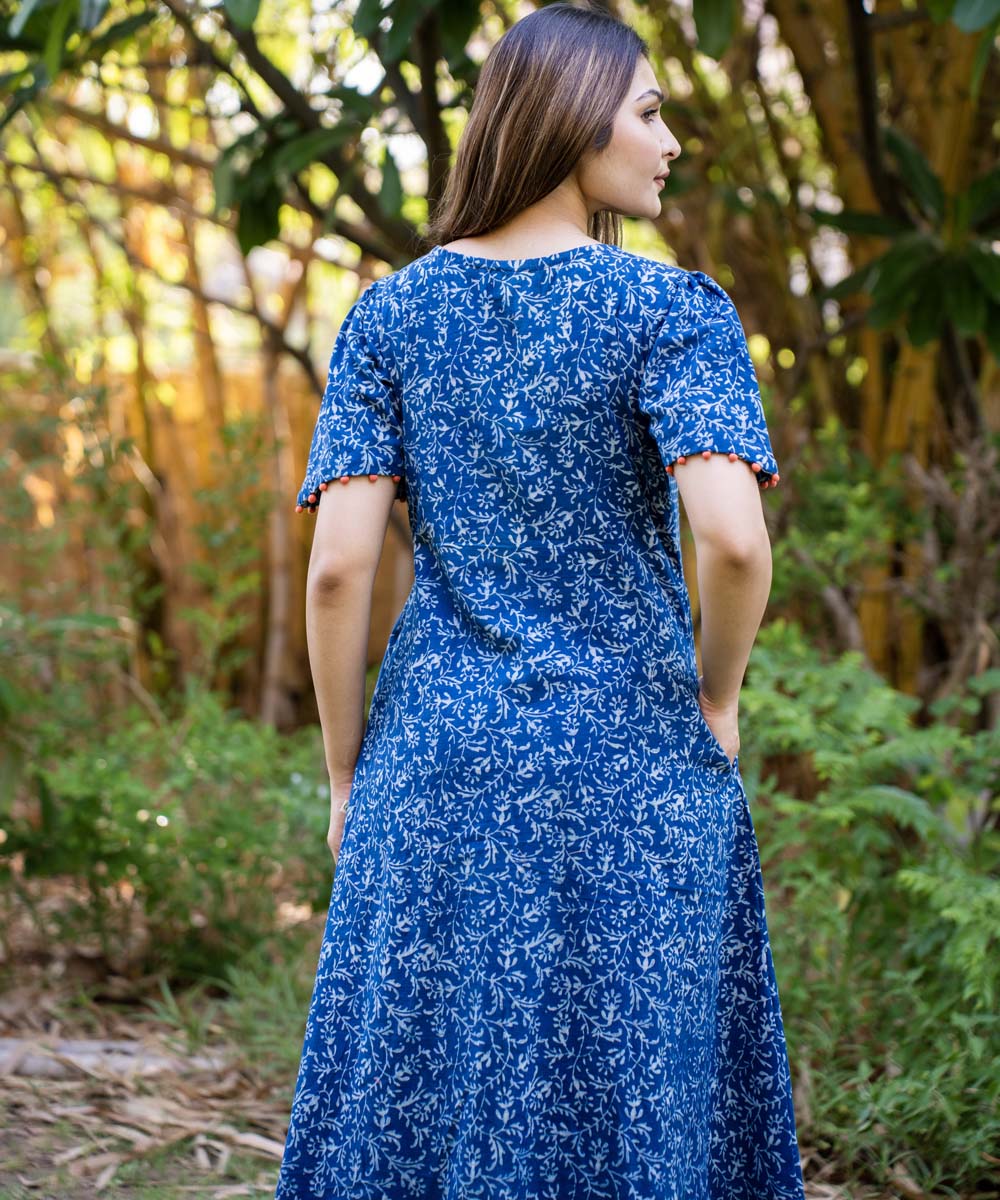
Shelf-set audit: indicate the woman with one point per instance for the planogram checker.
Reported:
(546, 970)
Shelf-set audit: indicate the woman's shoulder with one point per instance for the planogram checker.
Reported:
(675, 282)
(664, 293)
(647, 290)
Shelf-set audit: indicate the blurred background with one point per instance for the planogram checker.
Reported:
(192, 194)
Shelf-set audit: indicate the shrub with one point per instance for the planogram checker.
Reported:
(881, 855)
(177, 842)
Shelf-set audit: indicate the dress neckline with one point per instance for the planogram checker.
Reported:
(519, 264)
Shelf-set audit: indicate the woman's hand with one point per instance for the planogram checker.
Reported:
(339, 796)
(723, 720)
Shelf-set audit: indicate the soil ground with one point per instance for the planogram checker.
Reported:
(106, 1131)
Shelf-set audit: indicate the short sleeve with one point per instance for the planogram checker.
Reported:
(359, 426)
(699, 387)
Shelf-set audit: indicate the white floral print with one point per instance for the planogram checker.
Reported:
(546, 972)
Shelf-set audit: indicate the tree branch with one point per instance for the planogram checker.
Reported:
(864, 79)
(177, 154)
(300, 355)
(397, 233)
(163, 196)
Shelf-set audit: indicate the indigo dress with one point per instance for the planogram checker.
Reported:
(546, 971)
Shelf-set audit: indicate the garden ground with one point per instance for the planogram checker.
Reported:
(198, 1105)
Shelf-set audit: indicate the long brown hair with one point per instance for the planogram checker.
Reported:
(548, 91)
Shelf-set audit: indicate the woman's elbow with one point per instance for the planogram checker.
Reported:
(755, 551)
(330, 572)
(750, 549)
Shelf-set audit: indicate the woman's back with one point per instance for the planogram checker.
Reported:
(546, 971)
(529, 407)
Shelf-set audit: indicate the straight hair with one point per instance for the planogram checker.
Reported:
(548, 91)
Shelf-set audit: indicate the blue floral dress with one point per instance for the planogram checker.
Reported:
(546, 971)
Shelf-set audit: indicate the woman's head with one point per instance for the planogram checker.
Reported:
(564, 99)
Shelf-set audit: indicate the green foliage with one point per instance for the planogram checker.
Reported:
(851, 519)
(267, 1000)
(839, 527)
(62, 646)
(255, 171)
(242, 12)
(106, 509)
(940, 266)
(140, 815)
(60, 35)
(230, 572)
(970, 15)
(180, 837)
(715, 22)
(881, 856)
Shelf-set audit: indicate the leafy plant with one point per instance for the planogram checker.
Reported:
(179, 839)
(229, 573)
(881, 855)
(940, 266)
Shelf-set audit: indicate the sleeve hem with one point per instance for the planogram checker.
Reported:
(362, 464)
(765, 461)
